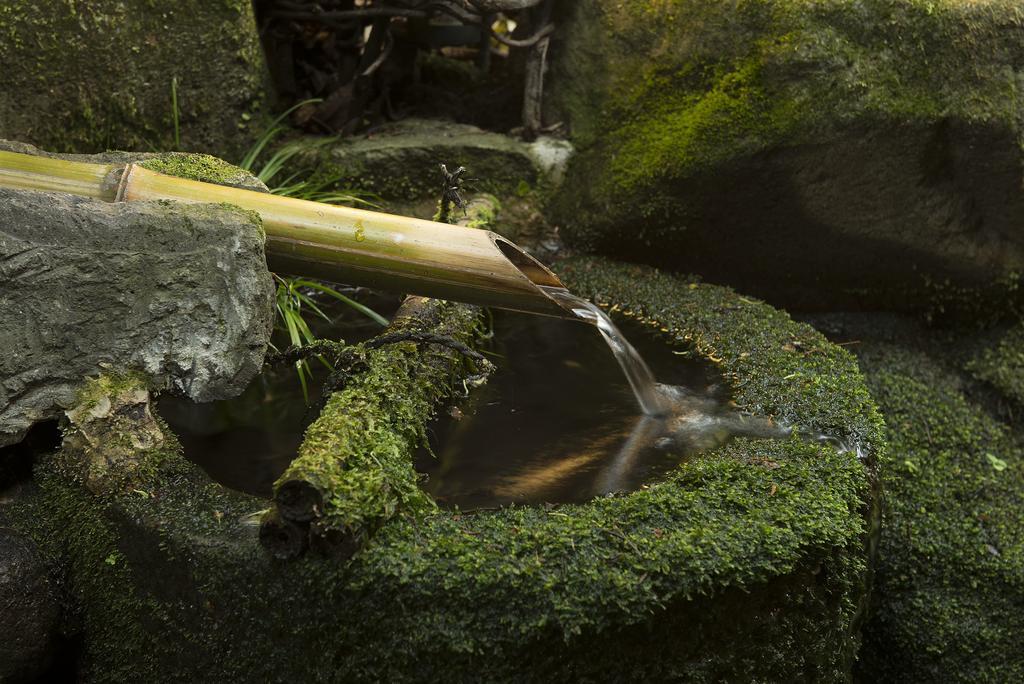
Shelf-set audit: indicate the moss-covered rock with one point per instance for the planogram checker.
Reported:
(85, 77)
(949, 599)
(401, 161)
(815, 152)
(747, 563)
(1002, 364)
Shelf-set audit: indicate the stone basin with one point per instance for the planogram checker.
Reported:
(748, 562)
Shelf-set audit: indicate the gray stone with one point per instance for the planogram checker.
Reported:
(29, 610)
(180, 293)
(400, 161)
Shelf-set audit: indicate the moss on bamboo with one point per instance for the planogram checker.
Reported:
(202, 167)
(950, 599)
(746, 563)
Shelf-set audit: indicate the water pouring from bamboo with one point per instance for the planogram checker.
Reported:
(344, 244)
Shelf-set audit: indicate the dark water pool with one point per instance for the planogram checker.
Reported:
(246, 443)
(557, 422)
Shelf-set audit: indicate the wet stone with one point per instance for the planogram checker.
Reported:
(179, 293)
(748, 562)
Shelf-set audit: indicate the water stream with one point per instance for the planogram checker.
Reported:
(648, 394)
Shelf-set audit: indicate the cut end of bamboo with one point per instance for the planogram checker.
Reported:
(284, 540)
(331, 542)
(298, 501)
(536, 272)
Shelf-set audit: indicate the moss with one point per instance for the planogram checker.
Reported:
(102, 387)
(359, 451)
(1003, 365)
(746, 563)
(685, 132)
(701, 127)
(482, 212)
(111, 437)
(950, 578)
(84, 78)
(982, 304)
(199, 167)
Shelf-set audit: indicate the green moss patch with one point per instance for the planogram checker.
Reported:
(749, 562)
(85, 77)
(1002, 365)
(950, 579)
(202, 167)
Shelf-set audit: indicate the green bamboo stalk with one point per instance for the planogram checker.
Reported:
(343, 244)
(29, 172)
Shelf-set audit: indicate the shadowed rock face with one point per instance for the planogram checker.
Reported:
(179, 293)
(828, 154)
(400, 160)
(28, 610)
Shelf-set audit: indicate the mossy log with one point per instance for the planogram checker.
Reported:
(354, 469)
(282, 538)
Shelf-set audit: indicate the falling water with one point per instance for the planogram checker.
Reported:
(648, 392)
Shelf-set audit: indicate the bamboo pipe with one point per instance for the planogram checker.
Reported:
(29, 172)
(353, 246)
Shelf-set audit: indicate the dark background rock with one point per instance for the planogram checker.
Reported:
(29, 610)
(401, 160)
(821, 155)
(85, 77)
(178, 292)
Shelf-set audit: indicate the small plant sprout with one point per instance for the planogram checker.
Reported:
(295, 295)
